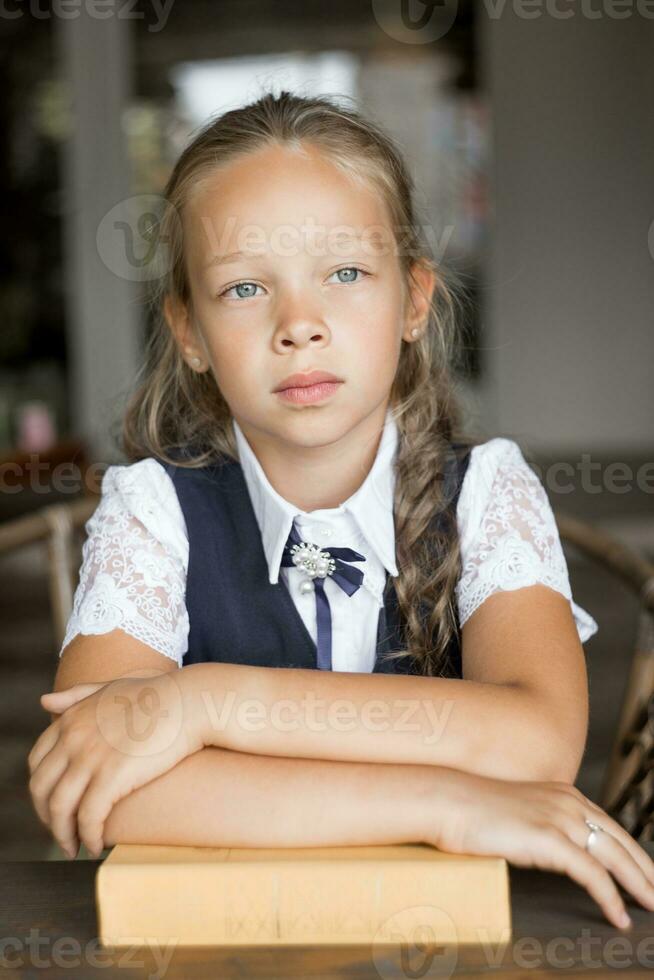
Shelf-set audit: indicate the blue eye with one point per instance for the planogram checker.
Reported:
(350, 268)
(240, 285)
(253, 286)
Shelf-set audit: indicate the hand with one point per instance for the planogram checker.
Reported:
(107, 740)
(542, 824)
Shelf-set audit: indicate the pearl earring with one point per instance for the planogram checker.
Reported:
(196, 362)
(415, 332)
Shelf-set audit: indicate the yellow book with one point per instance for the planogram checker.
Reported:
(206, 896)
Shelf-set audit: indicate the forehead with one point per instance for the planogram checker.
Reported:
(262, 197)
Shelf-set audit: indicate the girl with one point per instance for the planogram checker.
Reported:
(300, 496)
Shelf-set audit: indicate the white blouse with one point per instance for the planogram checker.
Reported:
(135, 556)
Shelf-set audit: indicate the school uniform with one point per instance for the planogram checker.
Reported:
(198, 563)
(240, 604)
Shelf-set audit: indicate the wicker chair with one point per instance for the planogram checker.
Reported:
(58, 526)
(627, 792)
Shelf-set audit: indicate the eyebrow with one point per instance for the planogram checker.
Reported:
(224, 259)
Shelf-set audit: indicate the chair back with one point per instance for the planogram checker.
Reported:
(627, 791)
(56, 526)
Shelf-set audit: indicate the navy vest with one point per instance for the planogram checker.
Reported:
(235, 614)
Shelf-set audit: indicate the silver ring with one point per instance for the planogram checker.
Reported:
(594, 829)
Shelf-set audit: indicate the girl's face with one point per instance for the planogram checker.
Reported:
(316, 286)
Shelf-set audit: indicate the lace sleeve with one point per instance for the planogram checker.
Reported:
(509, 538)
(134, 562)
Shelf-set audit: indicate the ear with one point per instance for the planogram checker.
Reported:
(422, 282)
(179, 321)
(178, 318)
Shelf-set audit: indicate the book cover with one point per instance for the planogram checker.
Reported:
(309, 895)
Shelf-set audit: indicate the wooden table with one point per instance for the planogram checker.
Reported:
(48, 928)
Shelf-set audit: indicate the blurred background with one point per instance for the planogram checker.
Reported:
(529, 133)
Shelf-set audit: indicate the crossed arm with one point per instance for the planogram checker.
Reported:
(521, 713)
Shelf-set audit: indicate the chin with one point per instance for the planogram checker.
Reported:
(315, 425)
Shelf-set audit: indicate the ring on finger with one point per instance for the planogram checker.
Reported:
(595, 830)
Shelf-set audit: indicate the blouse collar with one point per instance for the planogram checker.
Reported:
(370, 507)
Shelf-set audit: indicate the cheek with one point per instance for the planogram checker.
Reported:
(379, 333)
(226, 346)
(236, 363)
(380, 311)
(226, 360)
(375, 358)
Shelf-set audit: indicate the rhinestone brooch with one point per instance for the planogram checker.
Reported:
(313, 561)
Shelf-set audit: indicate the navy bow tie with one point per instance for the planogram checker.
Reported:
(318, 563)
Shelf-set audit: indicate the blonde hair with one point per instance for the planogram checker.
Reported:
(174, 408)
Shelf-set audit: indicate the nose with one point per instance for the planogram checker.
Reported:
(299, 322)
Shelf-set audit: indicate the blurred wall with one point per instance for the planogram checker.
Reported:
(570, 281)
(103, 312)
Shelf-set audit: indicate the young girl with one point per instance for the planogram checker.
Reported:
(300, 496)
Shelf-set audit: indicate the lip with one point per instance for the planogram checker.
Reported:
(307, 380)
(308, 394)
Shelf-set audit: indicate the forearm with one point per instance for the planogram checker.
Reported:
(492, 730)
(220, 798)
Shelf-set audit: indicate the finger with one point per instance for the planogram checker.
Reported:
(563, 855)
(43, 781)
(44, 743)
(98, 801)
(599, 816)
(622, 866)
(64, 803)
(616, 859)
(58, 701)
(638, 853)
(54, 707)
